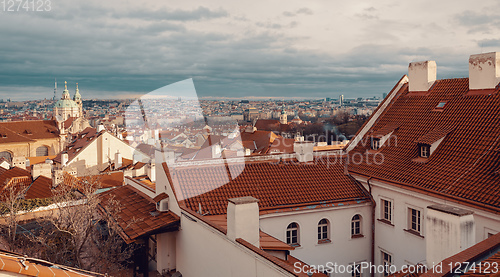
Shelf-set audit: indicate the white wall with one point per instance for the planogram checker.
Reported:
(342, 249)
(95, 157)
(204, 251)
(407, 248)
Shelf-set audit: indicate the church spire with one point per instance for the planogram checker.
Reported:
(55, 89)
(65, 94)
(77, 96)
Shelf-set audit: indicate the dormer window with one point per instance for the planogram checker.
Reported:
(375, 143)
(424, 150)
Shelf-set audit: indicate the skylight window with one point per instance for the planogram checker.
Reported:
(441, 105)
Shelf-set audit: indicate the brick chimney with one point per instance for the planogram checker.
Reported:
(421, 75)
(243, 219)
(484, 70)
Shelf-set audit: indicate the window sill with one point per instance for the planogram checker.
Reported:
(295, 245)
(374, 151)
(413, 232)
(385, 221)
(323, 241)
(357, 236)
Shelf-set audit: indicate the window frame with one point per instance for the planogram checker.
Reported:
(424, 150)
(323, 231)
(383, 211)
(385, 261)
(375, 143)
(290, 236)
(359, 222)
(356, 270)
(417, 215)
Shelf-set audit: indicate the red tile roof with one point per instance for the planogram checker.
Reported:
(463, 165)
(13, 172)
(106, 180)
(474, 253)
(28, 131)
(267, 242)
(79, 142)
(488, 267)
(276, 185)
(435, 134)
(137, 215)
(40, 188)
(22, 265)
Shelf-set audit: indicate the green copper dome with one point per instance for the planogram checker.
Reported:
(66, 103)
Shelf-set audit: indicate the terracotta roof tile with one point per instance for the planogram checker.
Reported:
(276, 185)
(137, 215)
(40, 188)
(27, 131)
(15, 263)
(267, 242)
(463, 166)
(79, 141)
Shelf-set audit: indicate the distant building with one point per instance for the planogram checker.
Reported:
(341, 100)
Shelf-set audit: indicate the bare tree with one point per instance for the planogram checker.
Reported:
(75, 216)
(11, 198)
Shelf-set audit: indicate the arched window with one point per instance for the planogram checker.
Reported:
(42, 151)
(323, 230)
(292, 234)
(356, 226)
(6, 155)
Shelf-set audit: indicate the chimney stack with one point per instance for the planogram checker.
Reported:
(448, 230)
(64, 159)
(484, 70)
(421, 75)
(118, 159)
(44, 169)
(304, 151)
(243, 219)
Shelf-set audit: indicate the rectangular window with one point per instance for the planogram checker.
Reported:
(152, 248)
(414, 220)
(424, 151)
(356, 270)
(387, 210)
(375, 144)
(386, 261)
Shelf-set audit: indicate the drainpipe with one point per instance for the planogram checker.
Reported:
(374, 204)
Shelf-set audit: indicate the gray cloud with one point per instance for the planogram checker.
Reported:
(200, 13)
(305, 11)
(489, 43)
(117, 52)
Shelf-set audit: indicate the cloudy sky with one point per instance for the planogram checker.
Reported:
(238, 49)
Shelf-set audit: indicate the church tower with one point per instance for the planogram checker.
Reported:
(78, 100)
(65, 107)
(283, 117)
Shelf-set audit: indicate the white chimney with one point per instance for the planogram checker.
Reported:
(304, 151)
(151, 171)
(484, 70)
(100, 127)
(243, 219)
(448, 230)
(118, 159)
(157, 134)
(421, 75)
(64, 159)
(19, 162)
(44, 169)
